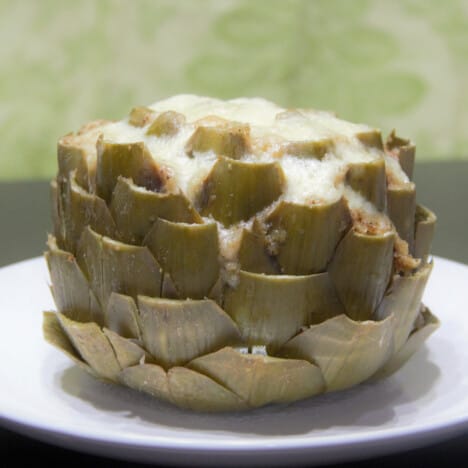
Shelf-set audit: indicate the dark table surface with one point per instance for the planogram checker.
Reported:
(25, 220)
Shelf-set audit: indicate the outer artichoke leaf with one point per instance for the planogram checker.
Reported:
(369, 179)
(414, 342)
(403, 300)
(231, 140)
(308, 235)
(404, 150)
(132, 160)
(175, 331)
(401, 203)
(166, 124)
(169, 290)
(270, 309)
(82, 209)
(54, 334)
(323, 299)
(253, 255)
(235, 190)
(197, 392)
(425, 222)
(141, 116)
(57, 219)
(371, 138)
(346, 351)
(188, 253)
(261, 380)
(147, 378)
(72, 158)
(93, 346)
(116, 267)
(122, 316)
(361, 270)
(127, 352)
(136, 209)
(72, 294)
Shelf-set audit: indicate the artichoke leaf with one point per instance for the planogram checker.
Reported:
(136, 209)
(415, 341)
(253, 255)
(70, 288)
(131, 160)
(401, 204)
(82, 209)
(371, 138)
(308, 148)
(147, 378)
(93, 346)
(166, 124)
(195, 391)
(231, 140)
(369, 179)
(236, 190)
(72, 158)
(57, 217)
(126, 351)
(141, 116)
(403, 300)
(425, 222)
(404, 150)
(168, 289)
(176, 331)
(183, 387)
(54, 334)
(122, 316)
(305, 237)
(188, 253)
(116, 267)
(323, 299)
(217, 292)
(270, 309)
(346, 351)
(361, 270)
(260, 380)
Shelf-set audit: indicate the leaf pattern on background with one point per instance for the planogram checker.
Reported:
(341, 63)
(390, 64)
(450, 22)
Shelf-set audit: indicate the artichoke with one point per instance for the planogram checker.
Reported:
(227, 255)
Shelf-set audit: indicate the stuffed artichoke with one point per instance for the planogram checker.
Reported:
(224, 255)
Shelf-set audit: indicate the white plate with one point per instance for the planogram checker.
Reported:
(44, 396)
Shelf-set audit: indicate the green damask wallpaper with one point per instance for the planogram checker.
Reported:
(400, 63)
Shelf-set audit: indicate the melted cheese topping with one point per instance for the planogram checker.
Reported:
(308, 179)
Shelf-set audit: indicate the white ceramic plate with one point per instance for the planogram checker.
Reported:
(43, 395)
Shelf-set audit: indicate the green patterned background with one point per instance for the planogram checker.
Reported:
(400, 63)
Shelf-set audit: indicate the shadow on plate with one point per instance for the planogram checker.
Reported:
(367, 405)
